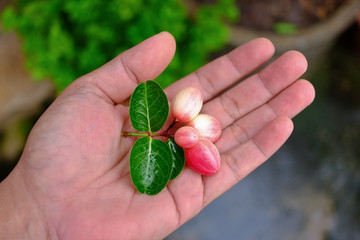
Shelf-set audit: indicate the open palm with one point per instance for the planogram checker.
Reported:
(74, 171)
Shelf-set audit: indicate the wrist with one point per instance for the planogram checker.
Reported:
(20, 218)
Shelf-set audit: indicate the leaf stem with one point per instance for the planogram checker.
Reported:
(171, 125)
(135, 134)
(147, 134)
(151, 134)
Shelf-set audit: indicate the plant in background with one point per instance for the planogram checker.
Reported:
(65, 39)
(285, 28)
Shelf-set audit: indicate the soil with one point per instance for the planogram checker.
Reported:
(263, 14)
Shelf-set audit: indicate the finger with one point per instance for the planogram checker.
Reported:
(257, 89)
(241, 161)
(223, 72)
(118, 78)
(288, 103)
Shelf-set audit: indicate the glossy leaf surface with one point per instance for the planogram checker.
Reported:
(149, 107)
(150, 165)
(178, 158)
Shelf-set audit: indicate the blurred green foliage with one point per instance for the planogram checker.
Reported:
(65, 39)
(285, 28)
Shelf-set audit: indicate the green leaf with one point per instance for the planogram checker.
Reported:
(150, 165)
(285, 28)
(178, 157)
(149, 107)
(8, 18)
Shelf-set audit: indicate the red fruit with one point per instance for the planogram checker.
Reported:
(204, 157)
(186, 104)
(208, 126)
(186, 137)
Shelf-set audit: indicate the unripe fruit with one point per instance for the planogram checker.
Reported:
(186, 137)
(186, 104)
(208, 126)
(204, 157)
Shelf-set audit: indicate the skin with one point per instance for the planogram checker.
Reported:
(72, 180)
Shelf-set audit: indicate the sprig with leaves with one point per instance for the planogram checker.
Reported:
(153, 162)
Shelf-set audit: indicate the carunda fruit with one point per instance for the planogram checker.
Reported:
(186, 137)
(200, 132)
(203, 157)
(186, 104)
(208, 127)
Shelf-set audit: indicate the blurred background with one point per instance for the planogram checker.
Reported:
(310, 189)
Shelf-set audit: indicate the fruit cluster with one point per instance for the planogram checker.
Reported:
(189, 138)
(199, 133)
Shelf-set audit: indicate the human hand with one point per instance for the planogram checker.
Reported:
(73, 181)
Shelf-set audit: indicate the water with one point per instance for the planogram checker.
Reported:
(310, 189)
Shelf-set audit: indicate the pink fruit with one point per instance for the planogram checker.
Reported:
(186, 137)
(204, 157)
(208, 126)
(186, 104)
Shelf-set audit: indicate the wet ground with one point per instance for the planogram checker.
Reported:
(310, 189)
